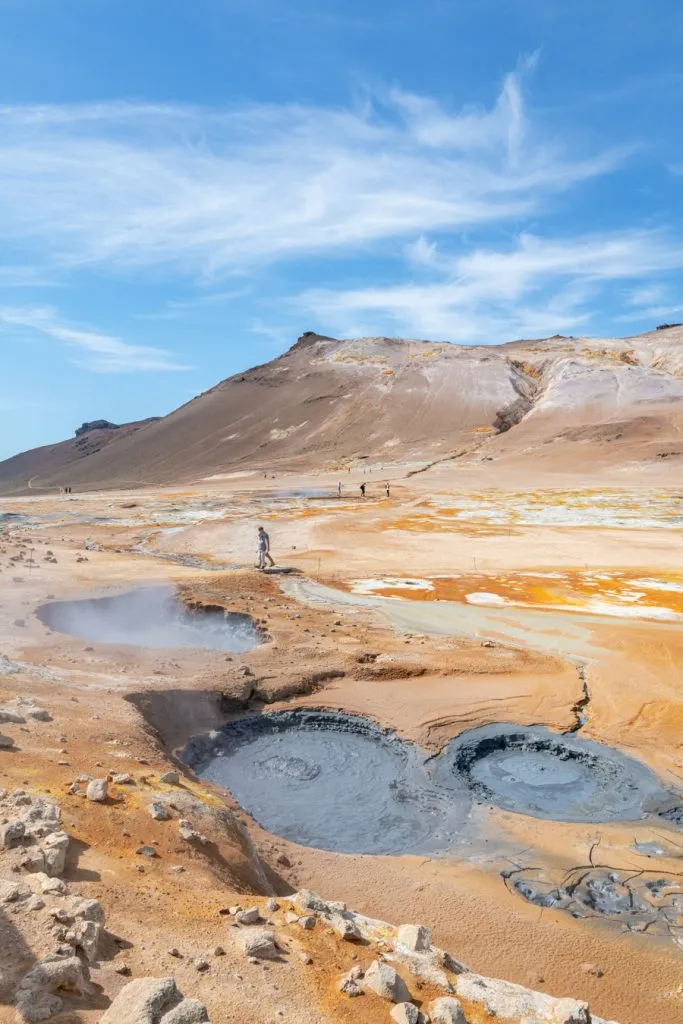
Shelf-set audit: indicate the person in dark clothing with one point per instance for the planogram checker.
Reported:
(362, 490)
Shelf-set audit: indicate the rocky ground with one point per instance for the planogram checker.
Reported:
(125, 880)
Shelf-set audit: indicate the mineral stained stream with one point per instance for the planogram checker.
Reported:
(150, 617)
(340, 782)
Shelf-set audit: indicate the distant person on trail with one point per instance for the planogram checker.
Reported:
(362, 490)
(388, 489)
(339, 489)
(263, 548)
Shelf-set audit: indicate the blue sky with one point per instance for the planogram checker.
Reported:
(186, 187)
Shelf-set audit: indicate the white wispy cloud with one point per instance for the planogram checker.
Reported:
(215, 191)
(101, 353)
(538, 286)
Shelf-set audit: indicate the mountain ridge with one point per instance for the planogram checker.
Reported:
(327, 402)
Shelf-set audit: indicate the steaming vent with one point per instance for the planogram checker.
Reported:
(151, 617)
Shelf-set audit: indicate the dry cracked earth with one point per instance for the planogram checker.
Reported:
(449, 708)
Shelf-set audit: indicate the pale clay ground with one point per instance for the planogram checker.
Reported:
(633, 668)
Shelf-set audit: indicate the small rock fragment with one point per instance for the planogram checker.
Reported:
(350, 987)
(170, 778)
(146, 851)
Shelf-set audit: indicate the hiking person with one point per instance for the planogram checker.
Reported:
(362, 490)
(263, 548)
(388, 489)
(339, 489)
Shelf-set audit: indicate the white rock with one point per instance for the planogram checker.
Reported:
(190, 1011)
(385, 982)
(504, 999)
(97, 790)
(146, 1001)
(250, 916)
(446, 1010)
(414, 937)
(405, 1013)
(36, 996)
(345, 928)
(261, 945)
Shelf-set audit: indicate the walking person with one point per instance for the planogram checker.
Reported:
(388, 489)
(362, 490)
(263, 548)
(339, 489)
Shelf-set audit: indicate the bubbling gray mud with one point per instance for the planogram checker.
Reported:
(340, 782)
(151, 617)
(332, 781)
(562, 777)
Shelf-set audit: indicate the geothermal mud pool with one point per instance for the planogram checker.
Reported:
(336, 782)
(565, 778)
(340, 782)
(151, 617)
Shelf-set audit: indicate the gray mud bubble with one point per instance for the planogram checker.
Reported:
(562, 777)
(333, 781)
(153, 617)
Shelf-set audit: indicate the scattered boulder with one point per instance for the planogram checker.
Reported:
(154, 1001)
(345, 928)
(97, 791)
(38, 994)
(13, 717)
(39, 714)
(122, 779)
(405, 1013)
(385, 982)
(250, 916)
(170, 778)
(414, 937)
(262, 945)
(6, 742)
(446, 1010)
(190, 1011)
(12, 834)
(159, 812)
